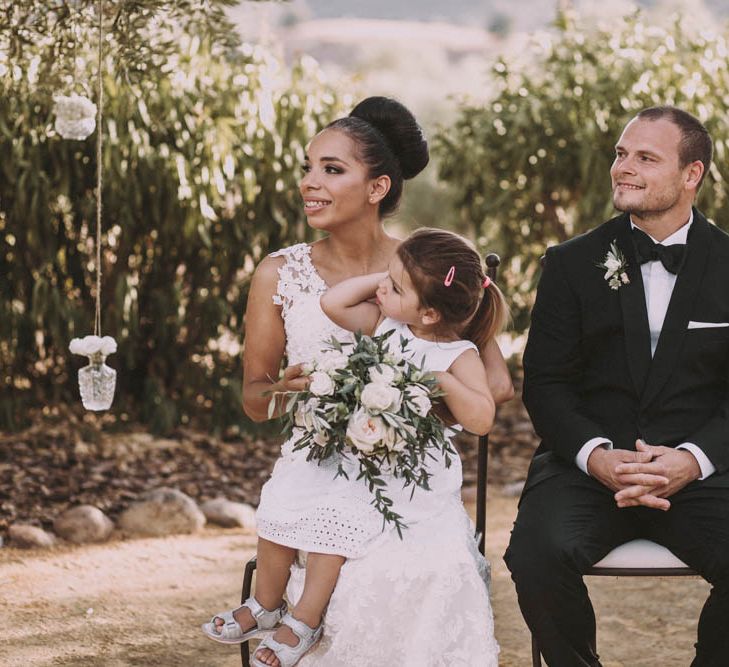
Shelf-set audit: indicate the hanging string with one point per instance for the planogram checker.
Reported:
(99, 180)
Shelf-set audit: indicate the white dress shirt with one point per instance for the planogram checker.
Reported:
(658, 286)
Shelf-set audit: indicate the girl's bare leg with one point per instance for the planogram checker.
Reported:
(272, 574)
(322, 572)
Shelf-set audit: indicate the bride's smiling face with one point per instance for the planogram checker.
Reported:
(335, 186)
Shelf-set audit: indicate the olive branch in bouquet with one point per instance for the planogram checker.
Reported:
(370, 404)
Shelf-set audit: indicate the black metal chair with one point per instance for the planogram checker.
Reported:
(492, 266)
(637, 558)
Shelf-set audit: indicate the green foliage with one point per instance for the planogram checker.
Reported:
(201, 170)
(141, 35)
(530, 167)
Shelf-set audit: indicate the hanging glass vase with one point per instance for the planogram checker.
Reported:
(96, 381)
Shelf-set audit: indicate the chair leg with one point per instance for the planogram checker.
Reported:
(245, 654)
(536, 655)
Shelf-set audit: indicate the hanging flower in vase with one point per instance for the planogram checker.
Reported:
(75, 116)
(97, 380)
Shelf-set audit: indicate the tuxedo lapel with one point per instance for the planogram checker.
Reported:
(635, 315)
(675, 325)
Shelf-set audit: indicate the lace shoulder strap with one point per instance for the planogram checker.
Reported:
(296, 275)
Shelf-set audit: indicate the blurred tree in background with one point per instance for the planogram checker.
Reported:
(203, 142)
(530, 167)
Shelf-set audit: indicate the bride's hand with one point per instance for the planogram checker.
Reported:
(293, 379)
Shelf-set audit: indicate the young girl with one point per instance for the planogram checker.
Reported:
(436, 295)
(419, 601)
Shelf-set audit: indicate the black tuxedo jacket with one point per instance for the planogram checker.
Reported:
(588, 370)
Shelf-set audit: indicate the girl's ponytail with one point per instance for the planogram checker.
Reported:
(490, 316)
(447, 274)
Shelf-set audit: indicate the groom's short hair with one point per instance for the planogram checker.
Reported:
(695, 141)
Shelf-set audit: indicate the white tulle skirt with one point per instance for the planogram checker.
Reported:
(419, 601)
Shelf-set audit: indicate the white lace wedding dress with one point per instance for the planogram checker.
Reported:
(420, 601)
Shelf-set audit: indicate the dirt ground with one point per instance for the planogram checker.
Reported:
(140, 602)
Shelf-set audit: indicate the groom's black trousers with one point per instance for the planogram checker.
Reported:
(568, 522)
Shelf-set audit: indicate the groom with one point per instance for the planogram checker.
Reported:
(627, 383)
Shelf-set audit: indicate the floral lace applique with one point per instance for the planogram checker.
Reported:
(297, 275)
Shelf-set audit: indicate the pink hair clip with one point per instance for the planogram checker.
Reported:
(449, 277)
(486, 282)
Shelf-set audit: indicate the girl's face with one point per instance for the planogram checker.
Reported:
(397, 297)
(335, 185)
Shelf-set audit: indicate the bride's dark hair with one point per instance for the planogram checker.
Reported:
(389, 141)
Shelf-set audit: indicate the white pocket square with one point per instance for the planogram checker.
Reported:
(707, 325)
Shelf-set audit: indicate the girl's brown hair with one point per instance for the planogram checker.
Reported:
(465, 306)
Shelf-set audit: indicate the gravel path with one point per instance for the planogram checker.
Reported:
(140, 602)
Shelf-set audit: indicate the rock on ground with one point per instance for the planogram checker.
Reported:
(83, 524)
(229, 514)
(25, 536)
(162, 511)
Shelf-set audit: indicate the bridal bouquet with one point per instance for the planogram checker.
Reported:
(368, 402)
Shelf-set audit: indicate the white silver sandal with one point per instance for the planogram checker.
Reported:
(231, 632)
(287, 655)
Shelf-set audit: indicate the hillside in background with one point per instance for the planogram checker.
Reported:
(494, 15)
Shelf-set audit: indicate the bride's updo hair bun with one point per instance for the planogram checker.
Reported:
(389, 141)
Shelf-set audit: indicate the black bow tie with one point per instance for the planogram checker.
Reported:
(671, 256)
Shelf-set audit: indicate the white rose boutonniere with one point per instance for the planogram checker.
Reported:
(615, 267)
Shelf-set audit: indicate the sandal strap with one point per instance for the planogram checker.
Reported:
(265, 618)
(288, 656)
(303, 631)
(255, 607)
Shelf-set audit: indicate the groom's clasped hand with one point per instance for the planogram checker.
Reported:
(647, 476)
(655, 474)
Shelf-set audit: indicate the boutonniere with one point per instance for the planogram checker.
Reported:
(615, 267)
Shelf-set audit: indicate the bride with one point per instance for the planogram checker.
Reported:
(417, 601)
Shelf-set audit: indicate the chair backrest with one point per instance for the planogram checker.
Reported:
(492, 268)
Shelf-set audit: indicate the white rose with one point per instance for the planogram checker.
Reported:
(331, 360)
(75, 116)
(419, 400)
(612, 264)
(381, 397)
(366, 432)
(89, 345)
(321, 384)
(304, 415)
(383, 374)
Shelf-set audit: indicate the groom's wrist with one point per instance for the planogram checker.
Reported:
(583, 456)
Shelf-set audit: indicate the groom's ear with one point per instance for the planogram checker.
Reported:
(379, 187)
(429, 317)
(694, 172)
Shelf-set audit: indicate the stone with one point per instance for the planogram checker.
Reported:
(83, 524)
(26, 536)
(162, 511)
(230, 514)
